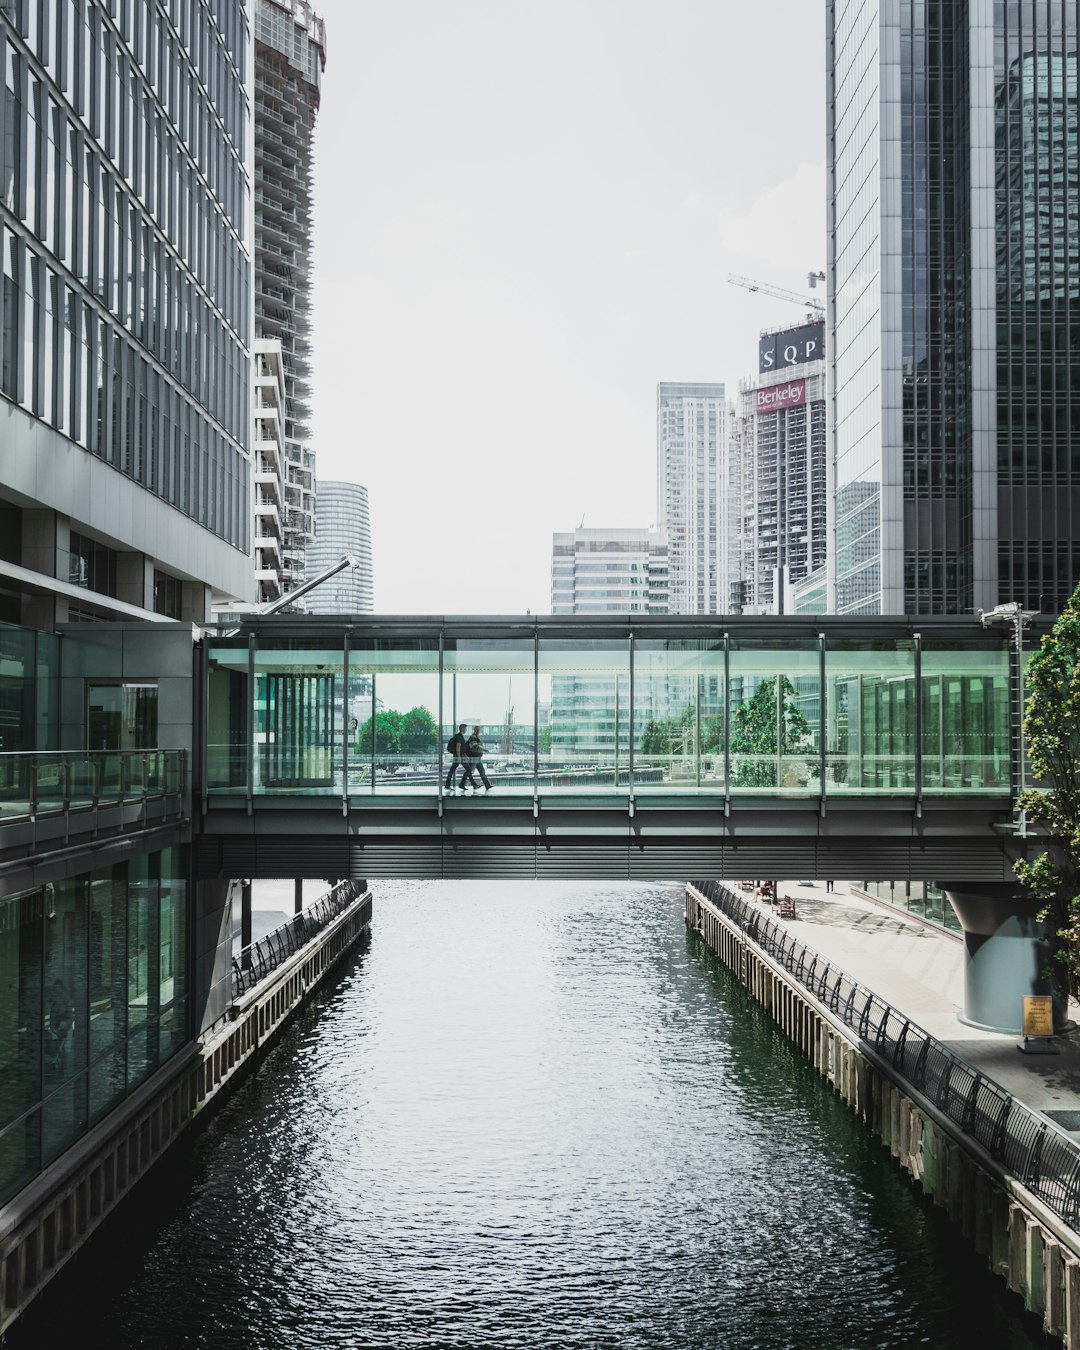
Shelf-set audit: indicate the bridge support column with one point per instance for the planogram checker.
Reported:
(298, 895)
(1006, 953)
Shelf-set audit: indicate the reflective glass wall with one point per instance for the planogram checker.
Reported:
(684, 707)
(93, 998)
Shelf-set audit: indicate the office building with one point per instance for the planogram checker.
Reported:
(691, 449)
(612, 571)
(290, 56)
(125, 376)
(954, 276)
(777, 476)
(342, 525)
(125, 359)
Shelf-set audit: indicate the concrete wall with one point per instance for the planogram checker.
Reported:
(1025, 1243)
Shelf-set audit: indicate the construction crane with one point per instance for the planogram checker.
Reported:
(779, 293)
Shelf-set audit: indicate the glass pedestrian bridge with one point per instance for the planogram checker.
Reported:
(736, 707)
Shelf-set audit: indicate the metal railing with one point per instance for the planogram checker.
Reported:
(40, 783)
(259, 959)
(1026, 1145)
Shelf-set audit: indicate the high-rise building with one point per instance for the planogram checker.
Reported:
(954, 267)
(613, 571)
(125, 479)
(342, 525)
(777, 478)
(691, 449)
(125, 361)
(290, 56)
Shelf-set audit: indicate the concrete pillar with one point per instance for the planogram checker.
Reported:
(135, 580)
(1006, 953)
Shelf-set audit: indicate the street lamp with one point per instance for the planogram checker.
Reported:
(1012, 612)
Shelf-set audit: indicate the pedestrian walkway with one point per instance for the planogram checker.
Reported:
(919, 969)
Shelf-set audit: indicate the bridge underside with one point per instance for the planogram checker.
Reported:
(584, 838)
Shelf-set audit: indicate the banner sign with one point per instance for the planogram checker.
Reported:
(790, 395)
(793, 347)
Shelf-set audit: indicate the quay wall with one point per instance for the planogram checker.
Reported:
(48, 1222)
(1023, 1241)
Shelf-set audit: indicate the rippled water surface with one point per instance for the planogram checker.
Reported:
(530, 1115)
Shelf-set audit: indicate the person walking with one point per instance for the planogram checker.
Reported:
(455, 747)
(474, 751)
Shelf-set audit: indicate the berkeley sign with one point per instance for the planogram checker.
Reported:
(790, 395)
(793, 347)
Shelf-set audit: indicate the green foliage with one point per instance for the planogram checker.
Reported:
(545, 740)
(1052, 731)
(755, 732)
(398, 733)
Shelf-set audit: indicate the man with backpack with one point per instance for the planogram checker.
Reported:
(455, 747)
(475, 752)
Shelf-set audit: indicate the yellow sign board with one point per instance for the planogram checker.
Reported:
(1038, 1015)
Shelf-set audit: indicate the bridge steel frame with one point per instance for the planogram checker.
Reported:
(633, 831)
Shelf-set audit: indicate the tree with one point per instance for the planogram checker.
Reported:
(387, 732)
(1052, 731)
(418, 733)
(754, 733)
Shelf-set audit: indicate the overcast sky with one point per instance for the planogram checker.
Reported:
(525, 218)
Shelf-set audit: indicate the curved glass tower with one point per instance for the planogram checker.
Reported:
(342, 525)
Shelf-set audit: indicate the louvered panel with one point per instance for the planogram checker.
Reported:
(672, 862)
(579, 862)
(771, 858)
(406, 859)
(490, 859)
(851, 857)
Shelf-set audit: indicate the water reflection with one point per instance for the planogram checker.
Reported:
(535, 1115)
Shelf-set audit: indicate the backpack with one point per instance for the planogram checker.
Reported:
(451, 746)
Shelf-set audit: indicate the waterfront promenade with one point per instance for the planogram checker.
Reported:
(918, 968)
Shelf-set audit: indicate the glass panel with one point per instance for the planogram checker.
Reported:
(108, 987)
(870, 715)
(142, 976)
(65, 1040)
(679, 714)
(121, 716)
(394, 703)
(299, 717)
(63, 1116)
(20, 1154)
(228, 704)
(172, 947)
(21, 924)
(774, 729)
(584, 702)
(488, 699)
(965, 731)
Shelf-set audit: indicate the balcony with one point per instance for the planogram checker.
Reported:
(49, 799)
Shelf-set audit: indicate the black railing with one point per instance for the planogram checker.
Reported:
(1023, 1143)
(258, 960)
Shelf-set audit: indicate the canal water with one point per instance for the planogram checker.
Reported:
(529, 1115)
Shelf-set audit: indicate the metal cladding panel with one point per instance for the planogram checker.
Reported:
(567, 861)
(648, 824)
(390, 858)
(559, 826)
(496, 860)
(517, 826)
(669, 862)
(770, 858)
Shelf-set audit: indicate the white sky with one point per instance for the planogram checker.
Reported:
(525, 217)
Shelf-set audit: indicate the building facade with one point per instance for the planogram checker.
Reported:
(691, 452)
(342, 525)
(777, 480)
(954, 302)
(125, 348)
(616, 571)
(290, 56)
(125, 495)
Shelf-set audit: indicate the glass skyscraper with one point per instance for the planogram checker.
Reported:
(124, 324)
(342, 525)
(954, 267)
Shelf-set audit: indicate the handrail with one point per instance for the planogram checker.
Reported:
(1026, 1144)
(256, 961)
(41, 782)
